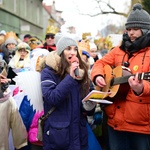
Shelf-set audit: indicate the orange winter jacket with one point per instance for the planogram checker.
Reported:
(132, 113)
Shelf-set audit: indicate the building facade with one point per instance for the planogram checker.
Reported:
(21, 16)
(25, 16)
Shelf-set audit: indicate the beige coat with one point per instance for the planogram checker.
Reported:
(11, 119)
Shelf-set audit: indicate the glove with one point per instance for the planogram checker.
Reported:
(89, 105)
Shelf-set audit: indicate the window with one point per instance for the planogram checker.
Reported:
(1, 2)
(38, 15)
(25, 8)
(15, 8)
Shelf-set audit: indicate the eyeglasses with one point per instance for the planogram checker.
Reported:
(50, 36)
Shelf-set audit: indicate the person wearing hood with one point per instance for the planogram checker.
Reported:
(65, 128)
(8, 49)
(21, 58)
(20, 61)
(128, 116)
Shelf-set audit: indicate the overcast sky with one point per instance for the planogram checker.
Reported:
(86, 23)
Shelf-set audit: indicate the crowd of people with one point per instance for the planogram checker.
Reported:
(58, 73)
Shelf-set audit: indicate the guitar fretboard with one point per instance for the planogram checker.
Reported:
(124, 79)
(119, 80)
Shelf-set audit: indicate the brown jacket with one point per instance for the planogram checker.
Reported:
(10, 119)
(132, 113)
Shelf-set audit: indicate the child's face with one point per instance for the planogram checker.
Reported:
(22, 53)
(93, 52)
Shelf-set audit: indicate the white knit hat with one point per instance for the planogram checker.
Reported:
(63, 43)
(92, 46)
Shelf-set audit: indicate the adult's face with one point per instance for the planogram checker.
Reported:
(50, 39)
(69, 52)
(11, 46)
(134, 33)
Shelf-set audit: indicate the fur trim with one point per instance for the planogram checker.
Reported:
(53, 60)
(40, 63)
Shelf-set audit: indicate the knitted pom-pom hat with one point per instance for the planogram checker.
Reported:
(138, 18)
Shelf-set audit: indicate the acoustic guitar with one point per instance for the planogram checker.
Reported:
(117, 80)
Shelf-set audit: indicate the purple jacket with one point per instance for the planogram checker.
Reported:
(65, 129)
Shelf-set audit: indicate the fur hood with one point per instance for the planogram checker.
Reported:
(53, 60)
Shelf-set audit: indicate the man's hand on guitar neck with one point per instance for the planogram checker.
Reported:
(136, 84)
(100, 81)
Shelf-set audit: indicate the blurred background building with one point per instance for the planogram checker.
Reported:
(29, 16)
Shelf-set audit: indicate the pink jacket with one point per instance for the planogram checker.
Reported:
(32, 134)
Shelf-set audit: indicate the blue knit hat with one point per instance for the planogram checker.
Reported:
(85, 53)
(138, 18)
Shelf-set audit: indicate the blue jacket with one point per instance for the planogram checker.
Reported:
(65, 128)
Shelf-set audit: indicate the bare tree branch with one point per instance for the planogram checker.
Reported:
(99, 10)
(106, 12)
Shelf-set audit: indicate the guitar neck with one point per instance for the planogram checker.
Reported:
(124, 79)
(120, 80)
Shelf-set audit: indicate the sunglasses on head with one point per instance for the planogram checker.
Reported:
(50, 36)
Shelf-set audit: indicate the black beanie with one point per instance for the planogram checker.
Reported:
(138, 18)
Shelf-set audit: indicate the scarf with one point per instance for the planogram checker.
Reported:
(140, 43)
